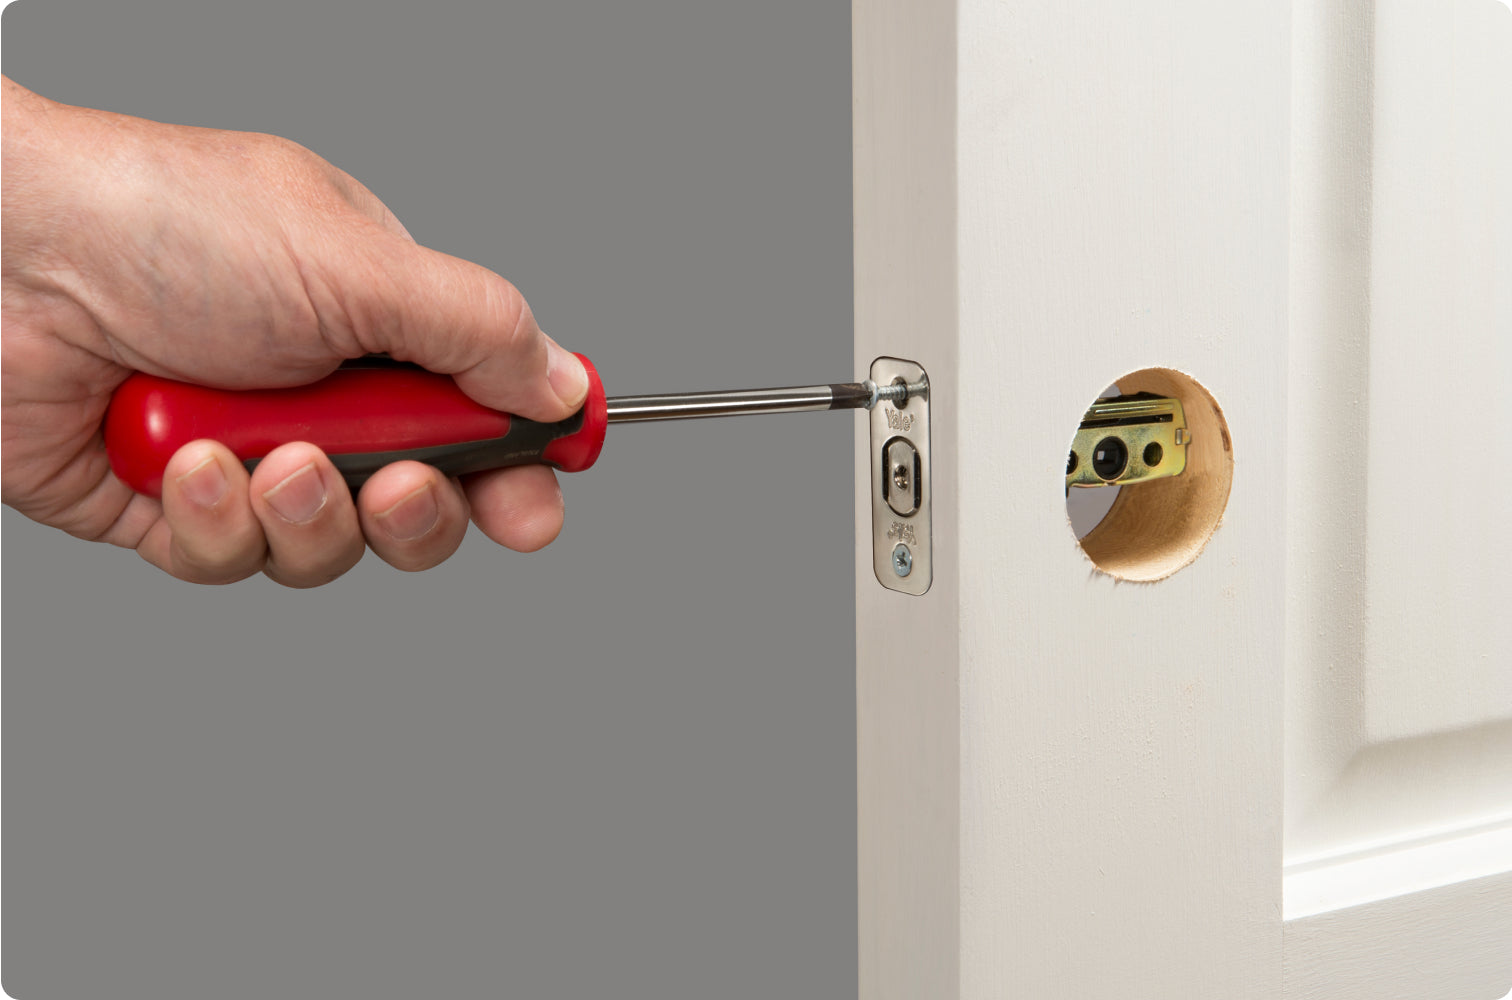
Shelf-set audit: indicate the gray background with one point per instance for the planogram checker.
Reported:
(620, 767)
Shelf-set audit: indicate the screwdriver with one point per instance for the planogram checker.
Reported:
(373, 411)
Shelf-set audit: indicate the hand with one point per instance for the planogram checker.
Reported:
(238, 260)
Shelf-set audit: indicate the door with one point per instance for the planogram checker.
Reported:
(1255, 738)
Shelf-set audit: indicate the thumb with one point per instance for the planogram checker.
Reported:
(454, 317)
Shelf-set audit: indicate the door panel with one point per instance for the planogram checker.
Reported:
(1439, 488)
(1399, 715)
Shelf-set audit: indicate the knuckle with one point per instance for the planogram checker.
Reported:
(505, 302)
(289, 156)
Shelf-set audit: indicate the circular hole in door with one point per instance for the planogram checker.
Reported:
(1147, 530)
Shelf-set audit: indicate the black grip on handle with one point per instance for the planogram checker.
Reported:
(526, 443)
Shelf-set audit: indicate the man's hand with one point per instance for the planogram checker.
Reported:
(238, 260)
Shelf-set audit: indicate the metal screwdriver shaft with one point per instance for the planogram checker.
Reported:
(794, 399)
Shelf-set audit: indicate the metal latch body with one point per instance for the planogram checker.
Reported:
(900, 490)
(1129, 439)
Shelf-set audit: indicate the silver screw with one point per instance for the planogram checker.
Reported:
(902, 560)
(897, 393)
(900, 476)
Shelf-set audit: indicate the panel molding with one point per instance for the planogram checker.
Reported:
(1399, 713)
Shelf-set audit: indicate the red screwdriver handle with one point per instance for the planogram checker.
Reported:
(364, 415)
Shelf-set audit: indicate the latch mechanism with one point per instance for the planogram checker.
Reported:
(1129, 439)
(900, 495)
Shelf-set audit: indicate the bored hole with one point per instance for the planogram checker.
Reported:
(1150, 520)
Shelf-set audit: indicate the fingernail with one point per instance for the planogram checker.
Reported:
(299, 497)
(568, 378)
(413, 516)
(204, 484)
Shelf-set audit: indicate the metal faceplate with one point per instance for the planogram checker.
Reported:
(900, 493)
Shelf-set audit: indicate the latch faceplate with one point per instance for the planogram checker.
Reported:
(900, 495)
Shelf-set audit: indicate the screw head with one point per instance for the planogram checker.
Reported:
(902, 560)
(900, 476)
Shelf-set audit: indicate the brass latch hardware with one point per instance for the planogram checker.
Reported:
(1125, 440)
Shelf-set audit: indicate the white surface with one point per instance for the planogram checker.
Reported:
(1041, 814)
(1449, 942)
(1073, 787)
(1398, 870)
(1399, 647)
(907, 710)
(1438, 556)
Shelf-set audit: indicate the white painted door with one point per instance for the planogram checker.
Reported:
(1270, 753)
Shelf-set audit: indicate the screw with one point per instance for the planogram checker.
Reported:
(897, 392)
(900, 476)
(902, 560)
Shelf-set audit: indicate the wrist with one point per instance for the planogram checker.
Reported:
(58, 182)
(38, 174)
(24, 148)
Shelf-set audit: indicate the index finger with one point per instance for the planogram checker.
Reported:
(455, 317)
